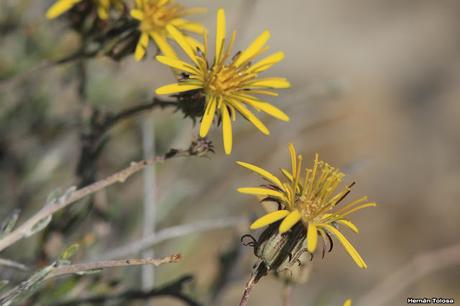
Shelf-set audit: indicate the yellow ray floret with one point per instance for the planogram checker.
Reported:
(311, 200)
(229, 84)
(154, 16)
(102, 7)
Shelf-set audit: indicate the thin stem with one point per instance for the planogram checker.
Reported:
(287, 295)
(48, 210)
(83, 267)
(173, 290)
(13, 264)
(247, 290)
(169, 233)
(135, 110)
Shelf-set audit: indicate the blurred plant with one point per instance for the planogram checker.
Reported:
(154, 16)
(306, 209)
(102, 7)
(227, 87)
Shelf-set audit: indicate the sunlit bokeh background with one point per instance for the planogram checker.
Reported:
(374, 92)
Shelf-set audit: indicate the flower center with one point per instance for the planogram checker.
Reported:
(223, 80)
(156, 17)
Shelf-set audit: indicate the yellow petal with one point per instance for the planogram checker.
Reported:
(220, 34)
(193, 27)
(102, 12)
(194, 43)
(293, 154)
(312, 237)
(347, 302)
(267, 62)
(175, 88)
(346, 244)
(265, 107)
(262, 172)
(182, 42)
(226, 130)
(60, 7)
(289, 221)
(137, 14)
(287, 174)
(176, 63)
(253, 49)
(269, 219)
(251, 117)
(271, 83)
(349, 224)
(347, 209)
(261, 191)
(141, 46)
(163, 45)
(194, 10)
(264, 92)
(208, 117)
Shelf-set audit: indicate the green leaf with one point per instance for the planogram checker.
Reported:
(70, 251)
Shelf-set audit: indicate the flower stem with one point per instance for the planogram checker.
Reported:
(247, 290)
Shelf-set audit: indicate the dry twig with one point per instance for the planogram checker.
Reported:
(84, 267)
(47, 211)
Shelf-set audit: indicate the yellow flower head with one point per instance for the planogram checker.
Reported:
(154, 16)
(228, 85)
(103, 7)
(311, 200)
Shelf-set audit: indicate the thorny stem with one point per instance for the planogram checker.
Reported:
(247, 290)
(48, 210)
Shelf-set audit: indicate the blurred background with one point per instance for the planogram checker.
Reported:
(374, 92)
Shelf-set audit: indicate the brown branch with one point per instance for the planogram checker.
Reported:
(417, 268)
(62, 202)
(83, 267)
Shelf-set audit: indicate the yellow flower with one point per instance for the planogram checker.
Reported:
(347, 302)
(227, 85)
(311, 200)
(102, 6)
(154, 16)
